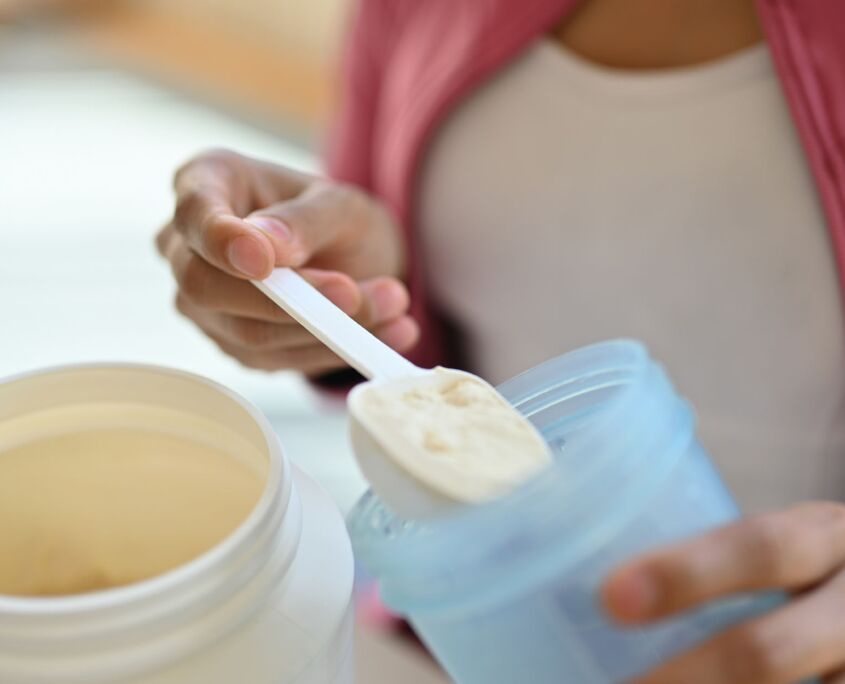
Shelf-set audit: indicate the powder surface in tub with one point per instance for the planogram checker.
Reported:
(457, 434)
(101, 508)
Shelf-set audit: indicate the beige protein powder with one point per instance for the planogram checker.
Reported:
(454, 433)
(107, 506)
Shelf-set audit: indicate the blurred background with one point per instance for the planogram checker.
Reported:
(99, 102)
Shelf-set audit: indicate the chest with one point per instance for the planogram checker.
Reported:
(564, 204)
(657, 34)
(587, 204)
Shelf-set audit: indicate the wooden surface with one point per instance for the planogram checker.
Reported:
(203, 56)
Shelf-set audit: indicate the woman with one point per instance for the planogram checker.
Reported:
(548, 173)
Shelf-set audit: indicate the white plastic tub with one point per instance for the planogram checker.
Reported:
(269, 604)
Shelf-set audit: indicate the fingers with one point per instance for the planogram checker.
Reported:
(800, 640)
(382, 299)
(247, 325)
(343, 235)
(212, 191)
(395, 329)
(244, 217)
(203, 285)
(789, 550)
(335, 227)
(313, 219)
(207, 287)
(401, 333)
(273, 346)
(312, 359)
(370, 302)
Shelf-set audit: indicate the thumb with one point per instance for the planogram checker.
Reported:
(318, 220)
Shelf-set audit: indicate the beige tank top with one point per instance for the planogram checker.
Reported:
(565, 203)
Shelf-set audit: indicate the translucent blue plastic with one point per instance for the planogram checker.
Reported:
(507, 592)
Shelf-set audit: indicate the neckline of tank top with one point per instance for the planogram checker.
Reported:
(747, 65)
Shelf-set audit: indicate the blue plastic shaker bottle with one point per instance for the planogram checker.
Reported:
(506, 592)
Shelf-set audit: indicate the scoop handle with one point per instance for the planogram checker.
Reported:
(352, 342)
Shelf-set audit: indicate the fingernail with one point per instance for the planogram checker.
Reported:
(248, 256)
(293, 254)
(387, 301)
(271, 225)
(633, 595)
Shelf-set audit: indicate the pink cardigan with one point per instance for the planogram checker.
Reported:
(409, 62)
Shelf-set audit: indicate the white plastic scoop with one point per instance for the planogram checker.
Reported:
(426, 440)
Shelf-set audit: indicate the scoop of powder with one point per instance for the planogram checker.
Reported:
(455, 433)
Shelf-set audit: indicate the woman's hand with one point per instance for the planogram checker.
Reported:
(801, 550)
(237, 218)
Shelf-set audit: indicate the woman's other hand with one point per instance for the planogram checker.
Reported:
(237, 218)
(801, 550)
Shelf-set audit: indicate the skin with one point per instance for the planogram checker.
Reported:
(659, 34)
(236, 218)
(800, 551)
